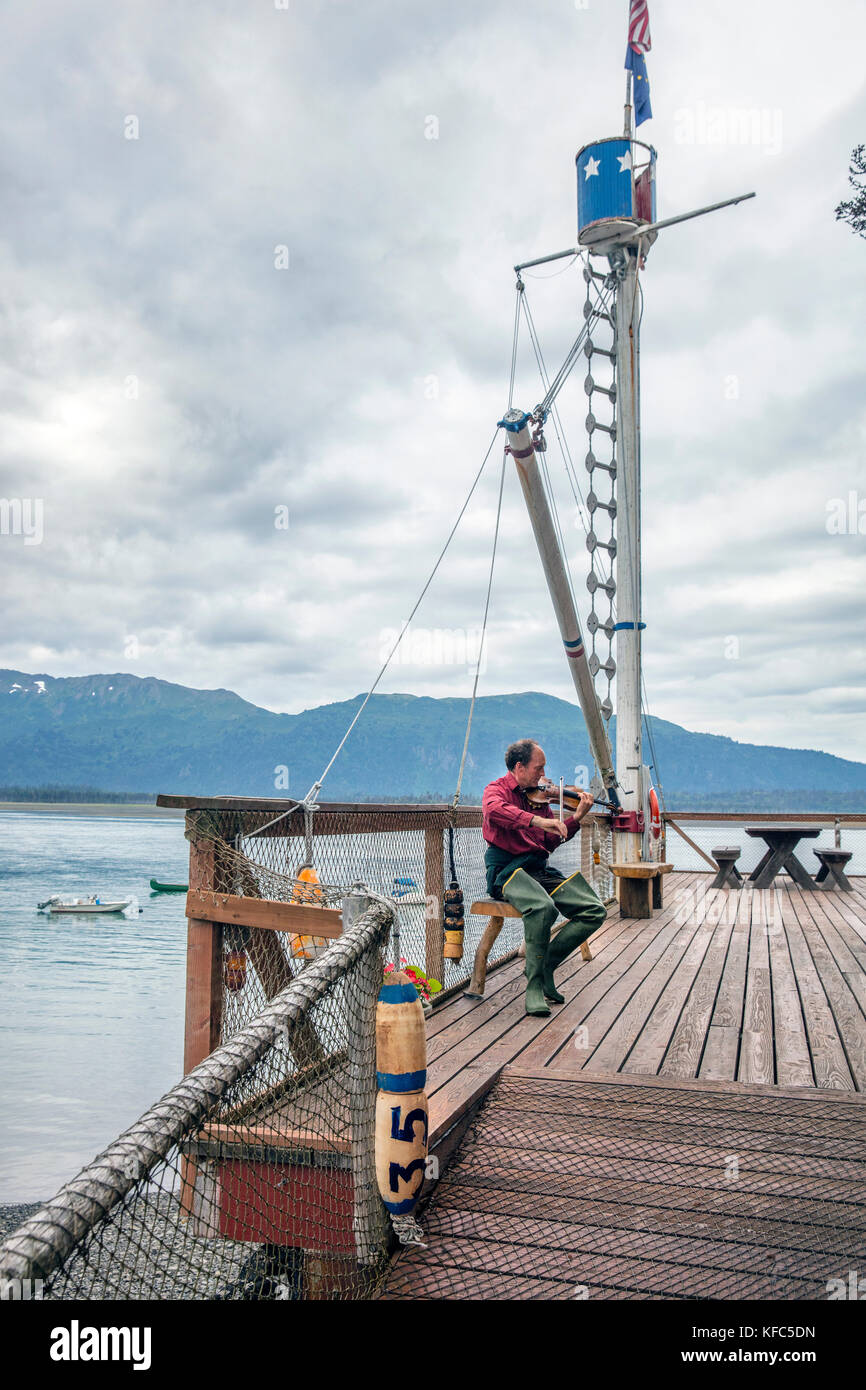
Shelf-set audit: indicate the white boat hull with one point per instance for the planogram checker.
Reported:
(88, 907)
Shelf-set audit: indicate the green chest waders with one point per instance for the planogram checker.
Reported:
(584, 913)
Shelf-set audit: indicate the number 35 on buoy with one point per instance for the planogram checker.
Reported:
(401, 1105)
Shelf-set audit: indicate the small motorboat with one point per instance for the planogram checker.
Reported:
(158, 887)
(407, 892)
(92, 904)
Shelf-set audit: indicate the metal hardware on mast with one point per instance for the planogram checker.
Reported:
(522, 449)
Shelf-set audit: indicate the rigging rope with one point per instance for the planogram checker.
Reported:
(545, 476)
(514, 342)
(414, 611)
(481, 643)
(310, 798)
(567, 460)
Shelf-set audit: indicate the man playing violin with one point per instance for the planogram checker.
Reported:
(519, 838)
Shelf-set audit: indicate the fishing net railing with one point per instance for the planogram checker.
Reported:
(254, 1177)
(617, 1187)
(398, 851)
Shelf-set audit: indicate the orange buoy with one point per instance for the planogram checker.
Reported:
(235, 973)
(309, 892)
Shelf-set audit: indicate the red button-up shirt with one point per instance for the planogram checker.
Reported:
(507, 817)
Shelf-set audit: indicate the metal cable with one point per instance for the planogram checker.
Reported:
(483, 634)
(310, 798)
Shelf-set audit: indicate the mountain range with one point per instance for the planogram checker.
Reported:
(124, 733)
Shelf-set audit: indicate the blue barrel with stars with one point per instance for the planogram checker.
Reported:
(615, 188)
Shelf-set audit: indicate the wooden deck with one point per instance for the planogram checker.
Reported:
(716, 986)
(732, 1025)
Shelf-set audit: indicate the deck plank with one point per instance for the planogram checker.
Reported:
(824, 913)
(669, 949)
(556, 1045)
(659, 1221)
(574, 1236)
(604, 997)
(661, 1023)
(689, 1037)
(719, 1059)
(757, 1061)
(793, 1059)
(828, 1055)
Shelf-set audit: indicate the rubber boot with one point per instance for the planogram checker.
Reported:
(539, 915)
(585, 912)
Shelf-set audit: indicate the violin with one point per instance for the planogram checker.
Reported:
(548, 791)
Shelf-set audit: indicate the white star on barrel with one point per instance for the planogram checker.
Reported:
(624, 162)
(591, 167)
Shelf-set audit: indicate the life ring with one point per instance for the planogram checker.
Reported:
(655, 814)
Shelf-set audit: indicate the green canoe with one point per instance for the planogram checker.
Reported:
(168, 887)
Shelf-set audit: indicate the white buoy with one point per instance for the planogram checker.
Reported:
(401, 1105)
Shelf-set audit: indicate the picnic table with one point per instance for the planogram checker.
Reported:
(781, 843)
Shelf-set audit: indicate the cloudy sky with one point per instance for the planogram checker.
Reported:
(255, 265)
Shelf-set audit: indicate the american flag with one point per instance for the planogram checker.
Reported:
(638, 26)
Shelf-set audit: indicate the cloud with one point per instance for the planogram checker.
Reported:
(167, 387)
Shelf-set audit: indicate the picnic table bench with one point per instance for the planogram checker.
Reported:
(781, 843)
(832, 871)
(728, 875)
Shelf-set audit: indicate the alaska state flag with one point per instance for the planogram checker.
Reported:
(636, 63)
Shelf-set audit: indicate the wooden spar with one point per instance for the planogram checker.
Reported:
(555, 573)
(672, 823)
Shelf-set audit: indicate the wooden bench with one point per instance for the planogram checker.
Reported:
(497, 912)
(640, 887)
(729, 875)
(832, 871)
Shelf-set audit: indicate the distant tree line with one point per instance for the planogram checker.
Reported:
(679, 799)
(90, 795)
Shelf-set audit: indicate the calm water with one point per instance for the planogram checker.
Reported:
(91, 1009)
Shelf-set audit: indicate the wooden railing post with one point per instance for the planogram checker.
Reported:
(204, 966)
(368, 1220)
(434, 889)
(204, 996)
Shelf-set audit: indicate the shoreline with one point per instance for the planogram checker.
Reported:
(131, 809)
(13, 1214)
